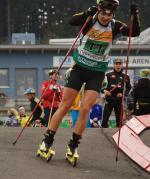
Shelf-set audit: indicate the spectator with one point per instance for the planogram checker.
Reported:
(96, 114)
(49, 88)
(38, 114)
(141, 97)
(115, 80)
(12, 118)
(22, 116)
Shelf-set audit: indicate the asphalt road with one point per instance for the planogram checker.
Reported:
(97, 156)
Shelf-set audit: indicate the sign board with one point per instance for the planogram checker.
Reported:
(134, 61)
(23, 38)
(57, 60)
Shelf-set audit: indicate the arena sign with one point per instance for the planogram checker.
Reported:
(134, 61)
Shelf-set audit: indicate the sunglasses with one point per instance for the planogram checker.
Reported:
(118, 63)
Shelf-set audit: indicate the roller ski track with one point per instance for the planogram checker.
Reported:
(97, 156)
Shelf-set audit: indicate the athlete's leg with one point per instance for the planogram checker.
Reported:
(88, 101)
(68, 98)
(92, 87)
(73, 85)
(67, 101)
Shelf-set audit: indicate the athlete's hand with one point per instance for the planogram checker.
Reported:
(134, 9)
(92, 11)
(107, 93)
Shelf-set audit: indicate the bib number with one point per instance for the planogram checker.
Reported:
(97, 48)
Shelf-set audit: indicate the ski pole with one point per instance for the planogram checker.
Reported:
(57, 71)
(124, 81)
(50, 115)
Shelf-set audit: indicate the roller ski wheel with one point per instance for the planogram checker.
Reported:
(46, 155)
(72, 158)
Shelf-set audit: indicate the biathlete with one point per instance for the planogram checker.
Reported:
(91, 63)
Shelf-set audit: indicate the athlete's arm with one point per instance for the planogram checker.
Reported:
(122, 28)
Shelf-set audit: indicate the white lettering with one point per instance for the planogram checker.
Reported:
(134, 61)
(86, 62)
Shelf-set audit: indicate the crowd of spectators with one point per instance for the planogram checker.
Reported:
(136, 102)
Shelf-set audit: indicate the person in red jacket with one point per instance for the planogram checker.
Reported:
(52, 95)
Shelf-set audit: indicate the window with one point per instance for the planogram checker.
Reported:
(4, 77)
(25, 78)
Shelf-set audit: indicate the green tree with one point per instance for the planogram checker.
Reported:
(25, 16)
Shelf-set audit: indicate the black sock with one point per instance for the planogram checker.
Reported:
(49, 137)
(73, 143)
(51, 132)
(76, 137)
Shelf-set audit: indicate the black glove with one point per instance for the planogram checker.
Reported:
(91, 11)
(134, 9)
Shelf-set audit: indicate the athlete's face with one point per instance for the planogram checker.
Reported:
(105, 16)
(118, 66)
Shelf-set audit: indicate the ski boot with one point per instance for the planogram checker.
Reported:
(72, 156)
(45, 151)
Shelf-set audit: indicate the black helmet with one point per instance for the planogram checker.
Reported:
(108, 4)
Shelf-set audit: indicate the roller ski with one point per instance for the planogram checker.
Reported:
(71, 153)
(45, 152)
(72, 156)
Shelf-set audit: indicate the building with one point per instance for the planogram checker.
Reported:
(23, 66)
